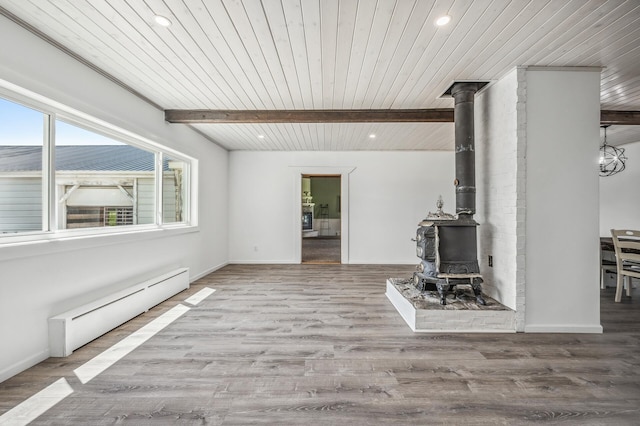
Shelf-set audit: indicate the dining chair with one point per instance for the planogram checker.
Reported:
(627, 247)
(606, 267)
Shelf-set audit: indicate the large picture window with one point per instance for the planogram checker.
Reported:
(62, 173)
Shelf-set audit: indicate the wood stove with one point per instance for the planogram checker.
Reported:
(447, 244)
(448, 253)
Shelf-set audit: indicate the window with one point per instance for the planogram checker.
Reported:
(99, 176)
(22, 132)
(173, 190)
(96, 170)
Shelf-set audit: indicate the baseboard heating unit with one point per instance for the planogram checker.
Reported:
(77, 327)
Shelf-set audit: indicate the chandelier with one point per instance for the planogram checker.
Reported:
(612, 159)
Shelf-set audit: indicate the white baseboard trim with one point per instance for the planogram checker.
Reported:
(19, 367)
(566, 328)
(208, 271)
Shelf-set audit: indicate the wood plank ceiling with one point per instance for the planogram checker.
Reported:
(339, 54)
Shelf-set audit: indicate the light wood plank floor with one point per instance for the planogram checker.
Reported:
(321, 345)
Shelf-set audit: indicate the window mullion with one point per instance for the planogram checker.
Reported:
(158, 174)
(49, 175)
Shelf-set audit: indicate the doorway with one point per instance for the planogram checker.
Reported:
(321, 219)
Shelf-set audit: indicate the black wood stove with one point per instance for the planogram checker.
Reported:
(446, 244)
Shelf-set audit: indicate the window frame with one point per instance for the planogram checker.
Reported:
(53, 111)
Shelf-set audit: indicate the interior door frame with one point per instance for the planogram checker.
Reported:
(343, 173)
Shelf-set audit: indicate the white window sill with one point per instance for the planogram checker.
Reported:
(42, 244)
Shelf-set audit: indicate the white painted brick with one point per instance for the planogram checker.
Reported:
(501, 166)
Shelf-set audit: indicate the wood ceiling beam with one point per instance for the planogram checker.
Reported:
(620, 117)
(205, 116)
(437, 115)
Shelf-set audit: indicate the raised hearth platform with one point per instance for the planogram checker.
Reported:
(423, 312)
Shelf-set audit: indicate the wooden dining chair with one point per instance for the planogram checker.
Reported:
(606, 267)
(627, 247)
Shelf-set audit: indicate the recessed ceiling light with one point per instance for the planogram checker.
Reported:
(443, 20)
(260, 136)
(372, 136)
(162, 20)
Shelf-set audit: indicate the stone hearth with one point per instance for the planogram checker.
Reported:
(423, 312)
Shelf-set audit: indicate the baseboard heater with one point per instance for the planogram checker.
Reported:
(77, 327)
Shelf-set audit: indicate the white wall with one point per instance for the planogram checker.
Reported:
(620, 195)
(40, 280)
(562, 217)
(389, 193)
(500, 166)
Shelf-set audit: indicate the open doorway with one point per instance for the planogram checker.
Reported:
(321, 219)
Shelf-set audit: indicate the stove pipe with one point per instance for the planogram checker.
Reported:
(463, 94)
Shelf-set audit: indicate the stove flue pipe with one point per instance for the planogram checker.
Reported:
(463, 94)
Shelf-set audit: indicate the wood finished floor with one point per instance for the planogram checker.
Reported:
(320, 250)
(321, 345)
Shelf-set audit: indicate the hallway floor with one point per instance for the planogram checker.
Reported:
(321, 250)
